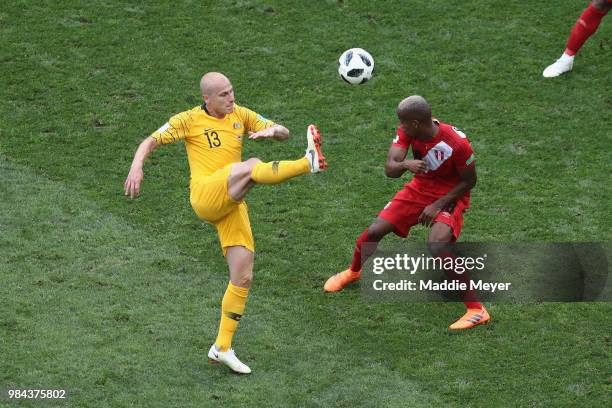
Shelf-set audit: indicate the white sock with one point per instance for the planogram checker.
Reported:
(567, 58)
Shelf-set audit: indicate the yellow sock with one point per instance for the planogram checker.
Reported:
(278, 171)
(232, 308)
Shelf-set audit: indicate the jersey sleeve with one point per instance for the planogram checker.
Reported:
(464, 157)
(401, 139)
(254, 122)
(177, 128)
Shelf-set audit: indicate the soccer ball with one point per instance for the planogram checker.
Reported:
(356, 66)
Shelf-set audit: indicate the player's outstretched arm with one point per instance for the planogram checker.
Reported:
(276, 132)
(396, 165)
(134, 178)
(467, 181)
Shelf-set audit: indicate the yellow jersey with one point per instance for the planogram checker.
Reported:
(211, 143)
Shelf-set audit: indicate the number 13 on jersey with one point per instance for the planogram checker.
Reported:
(213, 138)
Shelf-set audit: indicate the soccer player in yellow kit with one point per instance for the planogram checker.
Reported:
(220, 180)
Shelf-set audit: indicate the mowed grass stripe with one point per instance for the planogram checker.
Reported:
(94, 305)
(90, 303)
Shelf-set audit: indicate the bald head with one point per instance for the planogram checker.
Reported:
(213, 82)
(217, 93)
(414, 114)
(413, 108)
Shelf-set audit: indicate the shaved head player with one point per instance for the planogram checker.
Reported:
(444, 173)
(213, 135)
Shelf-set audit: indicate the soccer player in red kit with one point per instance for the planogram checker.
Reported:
(444, 173)
(584, 28)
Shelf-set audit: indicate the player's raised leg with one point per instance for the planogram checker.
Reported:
(586, 26)
(246, 174)
(240, 183)
(278, 171)
(240, 262)
(439, 243)
(371, 235)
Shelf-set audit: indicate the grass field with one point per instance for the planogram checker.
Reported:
(118, 300)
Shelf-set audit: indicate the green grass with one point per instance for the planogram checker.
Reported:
(118, 300)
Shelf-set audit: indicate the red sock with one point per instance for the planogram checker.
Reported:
(473, 305)
(470, 299)
(356, 264)
(585, 27)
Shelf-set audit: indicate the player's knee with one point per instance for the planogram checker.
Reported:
(245, 168)
(435, 248)
(440, 237)
(600, 4)
(252, 162)
(379, 229)
(248, 166)
(438, 240)
(245, 280)
(376, 233)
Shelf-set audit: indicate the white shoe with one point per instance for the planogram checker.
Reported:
(313, 151)
(560, 66)
(228, 358)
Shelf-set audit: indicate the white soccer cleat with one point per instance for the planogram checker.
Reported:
(228, 358)
(313, 151)
(560, 66)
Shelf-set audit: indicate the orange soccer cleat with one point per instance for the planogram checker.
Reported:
(471, 318)
(313, 151)
(337, 282)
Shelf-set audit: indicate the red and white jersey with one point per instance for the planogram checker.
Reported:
(446, 156)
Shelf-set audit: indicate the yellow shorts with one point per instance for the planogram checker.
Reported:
(211, 202)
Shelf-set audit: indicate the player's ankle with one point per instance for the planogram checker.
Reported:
(568, 56)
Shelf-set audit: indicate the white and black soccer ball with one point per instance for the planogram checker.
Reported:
(356, 66)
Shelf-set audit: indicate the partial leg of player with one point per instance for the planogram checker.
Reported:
(471, 318)
(560, 66)
(279, 171)
(228, 358)
(313, 151)
(338, 281)
(585, 27)
(372, 236)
